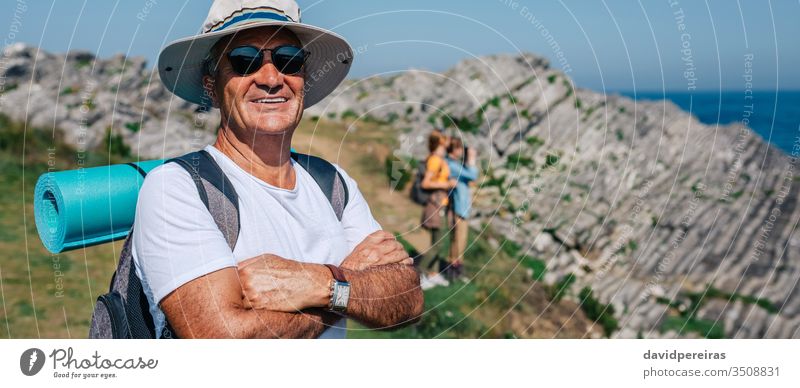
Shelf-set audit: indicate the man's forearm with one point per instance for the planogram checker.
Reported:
(272, 324)
(198, 310)
(385, 296)
(252, 323)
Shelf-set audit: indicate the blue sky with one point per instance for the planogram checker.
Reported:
(604, 45)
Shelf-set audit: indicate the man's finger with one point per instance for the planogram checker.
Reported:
(391, 246)
(394, 257)
(379, 236)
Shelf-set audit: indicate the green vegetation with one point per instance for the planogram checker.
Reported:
(463, 123)
(8, 88)
(551, 160)
(570, 90)
(497, 182)
(535, 142)
(115, 145)
(515, 160)
(133, 126)
(536, 265)
(632, 245)
(588, 113)
(433, 119)
(712, 292)
(603, 314)
(558, 290)
(349, 114)
(704, 327)
(456, 311)
(67, 91)
(83, 62)
(90, 104)
(620, 134)
(686, 320)
(551, 79)
(400, 171)
(510, 248)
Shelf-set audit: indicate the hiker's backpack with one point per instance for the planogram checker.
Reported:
(419, 195)
(124, 311)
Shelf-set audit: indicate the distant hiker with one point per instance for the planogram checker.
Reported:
(434, 214)
(464, 171)
(296, 267)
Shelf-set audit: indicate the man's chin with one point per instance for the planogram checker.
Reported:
(274, 128)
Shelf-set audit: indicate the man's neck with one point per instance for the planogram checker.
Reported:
(266, 157)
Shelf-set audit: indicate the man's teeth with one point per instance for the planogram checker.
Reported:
(270, 100)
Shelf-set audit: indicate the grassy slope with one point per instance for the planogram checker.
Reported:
(501, 301)
(31, 277)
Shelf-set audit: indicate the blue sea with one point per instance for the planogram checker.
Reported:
(774, 116)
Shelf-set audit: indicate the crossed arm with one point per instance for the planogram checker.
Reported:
(272, 297)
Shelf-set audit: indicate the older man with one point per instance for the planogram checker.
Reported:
(294, 261)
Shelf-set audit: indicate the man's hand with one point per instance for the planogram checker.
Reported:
(379, 248)
(274, 283)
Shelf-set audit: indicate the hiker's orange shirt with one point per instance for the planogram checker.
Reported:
(441, 172)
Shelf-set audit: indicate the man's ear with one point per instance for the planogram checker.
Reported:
(209, 84)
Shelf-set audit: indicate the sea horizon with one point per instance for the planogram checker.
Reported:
(772, 114)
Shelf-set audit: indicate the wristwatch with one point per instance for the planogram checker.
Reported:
(340, 290)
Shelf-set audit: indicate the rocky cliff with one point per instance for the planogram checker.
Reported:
(683, 227)
(93, 100)
(686, 229)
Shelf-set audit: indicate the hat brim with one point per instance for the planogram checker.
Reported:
(180, 63)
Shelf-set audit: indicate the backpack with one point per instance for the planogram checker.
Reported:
(419, 195)
(124, 311)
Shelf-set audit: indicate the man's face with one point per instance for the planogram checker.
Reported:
(238, 96)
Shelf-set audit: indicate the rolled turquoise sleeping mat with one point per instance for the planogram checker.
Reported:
(79, 208)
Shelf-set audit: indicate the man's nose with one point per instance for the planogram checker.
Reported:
(268, 75)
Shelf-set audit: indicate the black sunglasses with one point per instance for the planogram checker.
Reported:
(246, 60)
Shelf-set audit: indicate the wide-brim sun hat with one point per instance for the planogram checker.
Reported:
(181, 62)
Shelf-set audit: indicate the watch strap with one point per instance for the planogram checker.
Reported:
(337, 272)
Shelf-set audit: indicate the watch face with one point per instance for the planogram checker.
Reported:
(342, 296)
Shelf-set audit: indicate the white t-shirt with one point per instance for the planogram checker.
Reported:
(176, 240)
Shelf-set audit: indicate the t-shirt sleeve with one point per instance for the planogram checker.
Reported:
(357, 219)
(175, 239)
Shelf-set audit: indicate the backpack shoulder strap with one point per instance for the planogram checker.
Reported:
(215, 190)
(329, 180)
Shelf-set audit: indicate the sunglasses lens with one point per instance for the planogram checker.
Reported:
(288, 59)
(245, 60)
